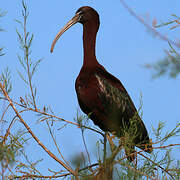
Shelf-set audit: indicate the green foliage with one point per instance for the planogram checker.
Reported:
(5, 77)
(159, 163)
(170, 65)
(29, 166)
(29, 66)
(174, 22)
(2, 13)
(1, 52)
(82, 120)
(12, 148)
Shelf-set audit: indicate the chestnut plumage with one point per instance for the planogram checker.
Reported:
(101, 95)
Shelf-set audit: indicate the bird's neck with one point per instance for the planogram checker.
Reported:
(89, 43)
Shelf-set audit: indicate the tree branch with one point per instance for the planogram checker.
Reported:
(33, 135)
(162, 37)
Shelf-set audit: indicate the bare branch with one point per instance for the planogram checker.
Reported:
(33, 135)
(56, 144)
(156, 165)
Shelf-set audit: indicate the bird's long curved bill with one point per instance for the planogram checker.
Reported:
(73, 21)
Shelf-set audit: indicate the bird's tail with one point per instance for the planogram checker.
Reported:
(130, 149)
(147, 147)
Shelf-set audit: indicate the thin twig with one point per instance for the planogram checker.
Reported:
(84, 142)
(52, 116)
(8, 130)
(147, 25)
(33, 135)
(37, 176)
(163, 147)
(49, 177)
(27, 56)
(159, 147)
(11, 124)
(156, 165)
(56, 144)
(4, 112)
(135, 170)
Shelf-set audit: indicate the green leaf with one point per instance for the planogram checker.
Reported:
(35, 66)
(22, 77)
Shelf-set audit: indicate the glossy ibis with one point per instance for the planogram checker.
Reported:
(101, 95)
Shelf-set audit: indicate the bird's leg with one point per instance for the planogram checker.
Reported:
(107, 168)
(105, 142)
(108, 164)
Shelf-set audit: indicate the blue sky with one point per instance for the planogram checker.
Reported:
(123, 46)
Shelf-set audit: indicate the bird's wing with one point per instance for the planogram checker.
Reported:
(114, 93)
(119, 105)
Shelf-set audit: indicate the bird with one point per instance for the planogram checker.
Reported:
(101, 95)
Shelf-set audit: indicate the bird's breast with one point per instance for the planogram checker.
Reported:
(87, 87)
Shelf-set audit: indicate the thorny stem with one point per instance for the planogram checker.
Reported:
(33, 135)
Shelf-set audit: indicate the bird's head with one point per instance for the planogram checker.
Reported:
(83, 15)
(86, 14)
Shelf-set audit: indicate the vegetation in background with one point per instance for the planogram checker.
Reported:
(170, 65)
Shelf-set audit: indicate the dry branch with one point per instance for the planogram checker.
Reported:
(33, 135)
